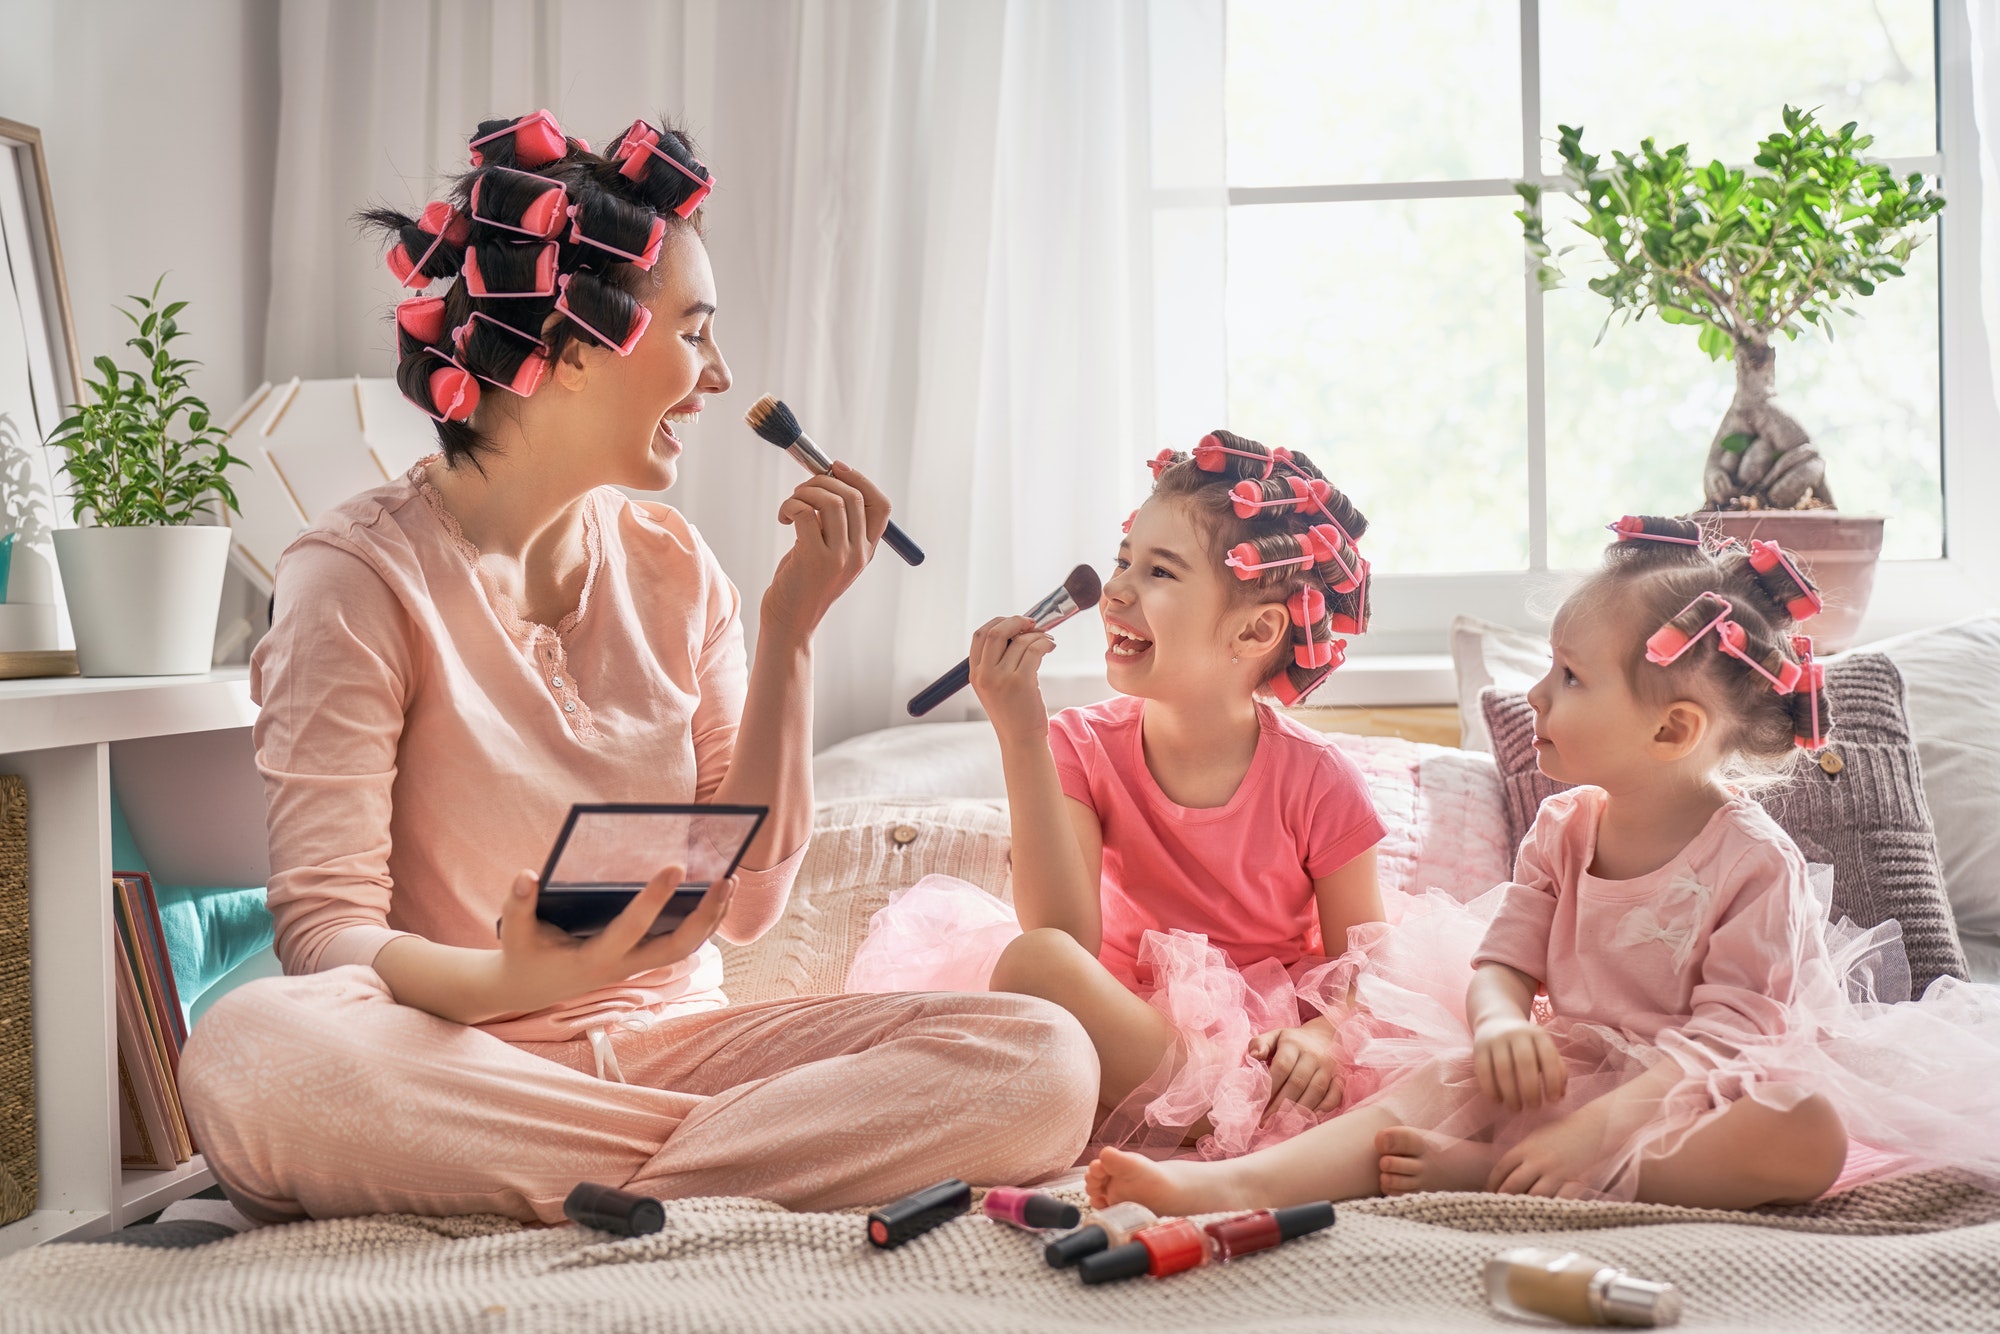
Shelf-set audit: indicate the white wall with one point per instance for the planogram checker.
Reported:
(160, 124)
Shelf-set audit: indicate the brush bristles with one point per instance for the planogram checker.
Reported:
(1083, 586)
(771, 419)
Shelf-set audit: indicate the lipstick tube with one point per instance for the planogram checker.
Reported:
(609, 1209)
(913, 1215)
(1107, 1228)
(1029, 1208)
(1179, 1244)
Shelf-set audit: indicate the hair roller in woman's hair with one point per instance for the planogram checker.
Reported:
(419, 324)
(1704, 613)
(585, 289)
(619, 229)
(1653, 528)
(662, 165)
(503, 270)
(445, 226)
(534, 140)
(501, 354)
(1783, 582)
(519, 201)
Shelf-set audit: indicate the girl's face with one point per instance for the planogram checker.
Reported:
(1170, 617)
(1590, 727)
(633, 402)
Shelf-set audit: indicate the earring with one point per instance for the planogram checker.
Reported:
(1234, 659)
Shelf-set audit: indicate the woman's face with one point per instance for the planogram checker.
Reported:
(635, 402)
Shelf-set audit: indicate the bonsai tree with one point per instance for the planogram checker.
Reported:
(127, 464)
(1744, 256)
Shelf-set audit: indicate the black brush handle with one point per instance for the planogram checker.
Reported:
(900, 543)
(942, 689)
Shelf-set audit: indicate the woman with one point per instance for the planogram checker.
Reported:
(458, 656)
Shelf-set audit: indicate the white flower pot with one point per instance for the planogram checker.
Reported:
(143, 601)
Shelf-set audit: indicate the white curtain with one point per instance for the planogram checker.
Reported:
(931, 237)
(1974, 191)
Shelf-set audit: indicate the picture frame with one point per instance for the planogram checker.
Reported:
(40, 377)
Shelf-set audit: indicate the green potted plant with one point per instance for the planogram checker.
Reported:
(1743, 256)
(142, 570)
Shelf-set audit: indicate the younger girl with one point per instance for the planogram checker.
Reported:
(1699, 1044)
(1180, 853)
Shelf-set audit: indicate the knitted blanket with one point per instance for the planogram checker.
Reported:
(1917, 1253)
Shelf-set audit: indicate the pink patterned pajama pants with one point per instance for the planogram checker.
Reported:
(319, 1096)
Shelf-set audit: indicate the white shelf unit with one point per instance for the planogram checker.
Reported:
(58, 734)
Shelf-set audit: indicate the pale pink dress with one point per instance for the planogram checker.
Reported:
(1722, 962)
(420, 744)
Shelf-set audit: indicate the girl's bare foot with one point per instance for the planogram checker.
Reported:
(1414, 1160)
(1167, 1188)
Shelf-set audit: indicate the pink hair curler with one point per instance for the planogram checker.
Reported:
(1812, 683)
(1307, 607)
(1343, 624)
(422, 318)
(1210, 453)
(453, 388)
(1287, 694)
(1775, 570)
(1328, 653)
(622, 347)
(545, 276)
(1666, 644)
(1335, 547)
(1780, 671)
(1650, 528)
(1294, 492)
(643, 261)
(1242, 557)
(538, 140)
(1162, 461)
(528, 375)
(641, 141)
(443, 223)
(541, 219)
(1126, 527)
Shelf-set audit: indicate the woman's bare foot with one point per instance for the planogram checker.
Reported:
(1414, 1160)
(1166, 1188)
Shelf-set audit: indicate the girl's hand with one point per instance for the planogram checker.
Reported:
(540, 964)
(1305, 1067)
(836, 520)
(1517, 1064)
(1006, 659)
(1552, 1157)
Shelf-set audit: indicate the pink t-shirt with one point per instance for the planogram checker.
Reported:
(1710, 944)
(1240, 873)
(421, 742)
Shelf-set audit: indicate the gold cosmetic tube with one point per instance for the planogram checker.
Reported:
(1577, 1290)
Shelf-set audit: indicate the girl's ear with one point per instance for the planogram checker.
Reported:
(1683, 727)
(1267, 626)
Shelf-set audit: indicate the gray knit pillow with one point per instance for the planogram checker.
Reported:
(1870, 821)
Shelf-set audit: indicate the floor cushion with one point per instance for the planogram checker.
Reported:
(1869, 821)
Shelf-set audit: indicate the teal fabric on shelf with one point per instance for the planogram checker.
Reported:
(210, 931)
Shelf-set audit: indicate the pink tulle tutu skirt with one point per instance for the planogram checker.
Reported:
(1915, 1081)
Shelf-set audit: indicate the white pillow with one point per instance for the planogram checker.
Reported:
(1952, 678)
(916, 760)
(1484, 654)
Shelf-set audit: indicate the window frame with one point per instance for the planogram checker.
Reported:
(1413, 611)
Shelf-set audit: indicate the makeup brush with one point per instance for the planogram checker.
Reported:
(1078, 593)
(771, 419)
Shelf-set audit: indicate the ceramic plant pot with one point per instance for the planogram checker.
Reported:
(1838, 550)
(143, 601)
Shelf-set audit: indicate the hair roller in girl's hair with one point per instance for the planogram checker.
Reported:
(1126, 527)
(1214, 451)
(1809, 720)
(1653, 528)
(454, 393)
(1704, 613)
(441, 222)
(1775, 667)
(1307, 606)
(419, 323)
(533, 140)
(519, 201)
(1783, 582)
(1163, 460)
(1283, 494)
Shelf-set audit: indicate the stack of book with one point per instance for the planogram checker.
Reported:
(151, 1031)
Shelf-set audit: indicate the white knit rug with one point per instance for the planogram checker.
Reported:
(1921, 1253)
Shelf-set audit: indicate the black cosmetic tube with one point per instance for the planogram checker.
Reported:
(609, 1209)
(913, 1215)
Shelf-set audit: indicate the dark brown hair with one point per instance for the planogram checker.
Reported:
(604, 290)
(1284, 497)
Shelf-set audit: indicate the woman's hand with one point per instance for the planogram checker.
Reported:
(1006, 659)
(539, 964)
(1305, 1066)
(836, 520)
(1518, 1064)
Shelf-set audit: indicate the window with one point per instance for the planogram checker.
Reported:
(1376, 304)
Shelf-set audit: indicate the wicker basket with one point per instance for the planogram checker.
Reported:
(18, 1176)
